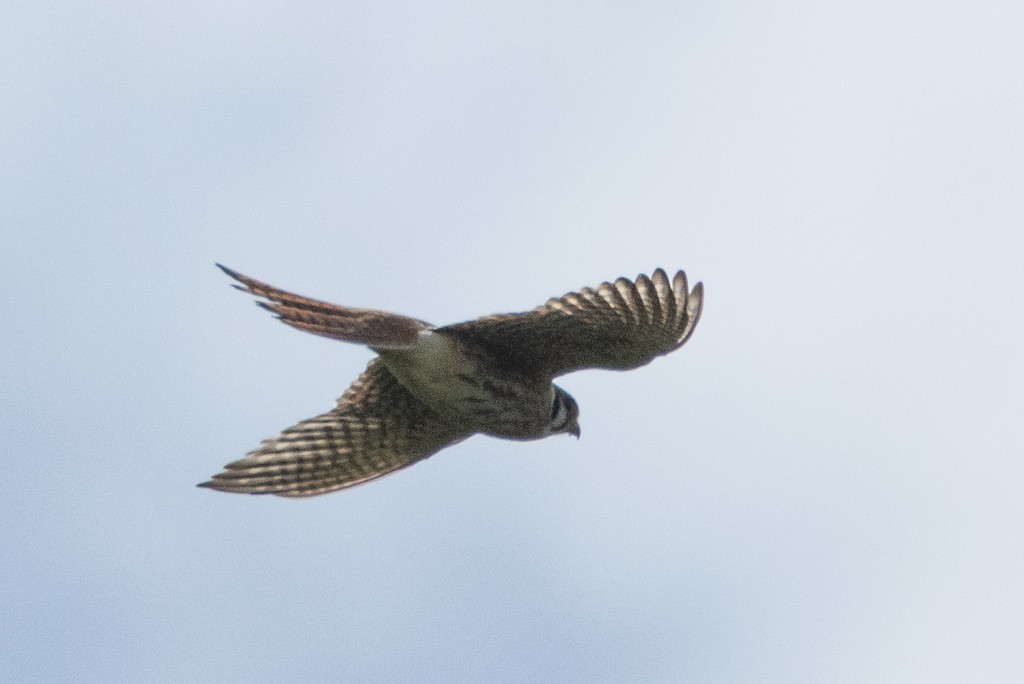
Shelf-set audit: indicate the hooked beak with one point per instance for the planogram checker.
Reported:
(574, 429)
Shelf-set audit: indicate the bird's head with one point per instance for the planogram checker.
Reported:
(565, 413)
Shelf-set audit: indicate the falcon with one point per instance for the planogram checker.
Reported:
(430, 387)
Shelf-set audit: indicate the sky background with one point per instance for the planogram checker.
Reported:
(824, 485)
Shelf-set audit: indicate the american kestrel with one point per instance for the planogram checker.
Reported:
(431, 387)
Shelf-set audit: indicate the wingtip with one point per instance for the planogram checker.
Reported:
(232, 273)
(694, 308)
(219, 487)
(244, 283)
(698, 292)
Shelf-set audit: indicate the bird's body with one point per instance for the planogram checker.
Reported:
(431, 387)
(449, 378)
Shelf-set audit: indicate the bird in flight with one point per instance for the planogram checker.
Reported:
(430, 387)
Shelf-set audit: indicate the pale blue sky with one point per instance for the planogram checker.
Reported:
(824, 485)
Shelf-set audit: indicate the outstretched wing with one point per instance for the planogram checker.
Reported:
(373, 328)
(618, 325)
(377, 427)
